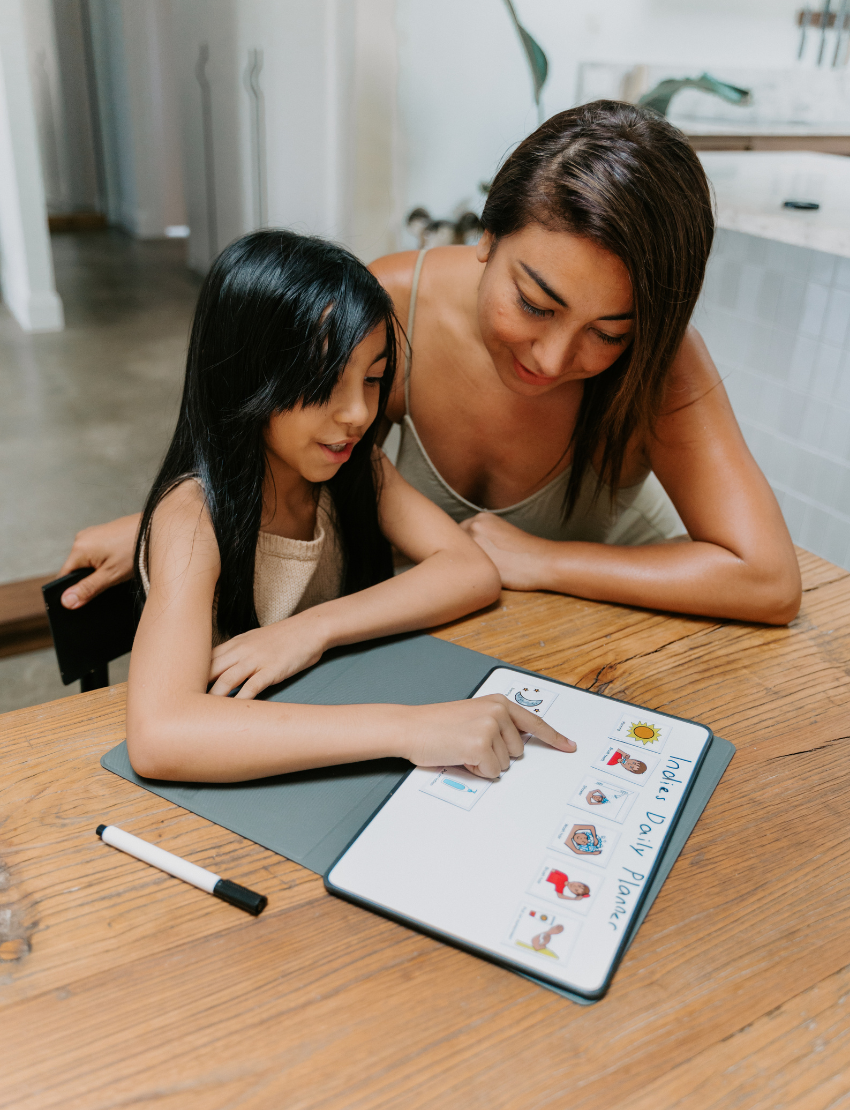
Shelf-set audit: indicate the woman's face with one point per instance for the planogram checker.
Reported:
(553, 307)
(315, 440)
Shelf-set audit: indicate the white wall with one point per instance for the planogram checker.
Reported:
(137, 101)
(465, 93)
(26, 264)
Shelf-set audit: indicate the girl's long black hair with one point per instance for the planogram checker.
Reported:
(277, 320)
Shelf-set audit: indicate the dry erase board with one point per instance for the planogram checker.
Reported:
(545, 869)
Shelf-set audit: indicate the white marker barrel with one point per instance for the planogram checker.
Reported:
(158, 857)
(208, 881)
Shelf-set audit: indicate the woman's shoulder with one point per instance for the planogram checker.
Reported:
(692, 375)
(395, 271)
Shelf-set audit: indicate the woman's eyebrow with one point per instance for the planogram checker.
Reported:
(547, 289)
(550, 292)
(380, 357)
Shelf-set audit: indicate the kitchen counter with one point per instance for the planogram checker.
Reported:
(751, 186)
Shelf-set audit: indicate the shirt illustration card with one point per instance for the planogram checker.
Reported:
(456, 786)
(604, 798)
(625, 762)
(584, 840)
(562, 883)
(642, 730)
(543, 932)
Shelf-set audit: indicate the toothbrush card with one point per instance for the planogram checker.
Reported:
(456, 786)
(585, 840)
(625, 762)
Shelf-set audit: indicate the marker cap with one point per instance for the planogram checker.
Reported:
(240, 896)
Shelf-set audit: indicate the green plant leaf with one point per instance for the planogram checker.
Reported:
(537, 61)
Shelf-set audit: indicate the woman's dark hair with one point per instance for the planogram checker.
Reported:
(277, 320)
(626, 179)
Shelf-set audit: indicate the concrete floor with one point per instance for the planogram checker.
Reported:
(86, 413)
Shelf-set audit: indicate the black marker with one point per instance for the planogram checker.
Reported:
(230, 892)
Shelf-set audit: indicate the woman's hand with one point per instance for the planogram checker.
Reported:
(264, 656)
(522, 560)
(481, 734)
(109, 549)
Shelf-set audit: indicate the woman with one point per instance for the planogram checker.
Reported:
(555, 400)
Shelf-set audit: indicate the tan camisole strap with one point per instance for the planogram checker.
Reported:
(411, 317)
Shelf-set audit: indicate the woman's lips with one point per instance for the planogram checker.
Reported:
(525, 375)
(338, 456)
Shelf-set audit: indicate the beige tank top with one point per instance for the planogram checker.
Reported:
(293, 575)
(640, 514)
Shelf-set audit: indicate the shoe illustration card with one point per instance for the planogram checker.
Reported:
(642, 730)
(625, 762)
(543, 932)
(593, 843)
(548, 874)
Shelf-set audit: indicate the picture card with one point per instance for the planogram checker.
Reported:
(585, 840)
(625, 762)
(534, 697)
(543, 932)
(456, 786)
(560, 882)
(604, 798)
(642, 730)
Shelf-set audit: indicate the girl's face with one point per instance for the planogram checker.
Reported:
(553, 307)
(315, 440)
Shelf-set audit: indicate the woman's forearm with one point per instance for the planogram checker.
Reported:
(441, 588)
(686, 577)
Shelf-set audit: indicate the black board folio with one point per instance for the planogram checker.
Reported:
(311, 816)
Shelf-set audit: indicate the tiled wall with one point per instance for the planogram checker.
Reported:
(776, 319)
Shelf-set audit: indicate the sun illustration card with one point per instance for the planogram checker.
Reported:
(643, 730)
(625, 762)
(456, 786)
(585, 840)
(543, 932)
(604, 798)
(536, 699)
(564, 884)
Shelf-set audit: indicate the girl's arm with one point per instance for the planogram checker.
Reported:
(176, 730)
(452, 577)
(741, 561)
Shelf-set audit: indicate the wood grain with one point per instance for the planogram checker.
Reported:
(127, 987)
(23, 617)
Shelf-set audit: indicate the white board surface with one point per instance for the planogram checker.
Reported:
(544, 868)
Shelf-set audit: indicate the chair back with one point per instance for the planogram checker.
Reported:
(86, 640)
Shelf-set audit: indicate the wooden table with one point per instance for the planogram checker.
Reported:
(122, 987)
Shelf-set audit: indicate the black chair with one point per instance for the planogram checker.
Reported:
(87, 640)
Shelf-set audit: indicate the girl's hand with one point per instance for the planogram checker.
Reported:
(522, 560)
(264, 656)
(482, 734)
(109, 549)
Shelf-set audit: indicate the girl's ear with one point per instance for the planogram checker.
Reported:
(484, 247)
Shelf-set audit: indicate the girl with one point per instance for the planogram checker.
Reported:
(554, 398)
(266, 537)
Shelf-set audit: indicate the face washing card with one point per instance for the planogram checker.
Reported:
(625, 762)
(604, 798)
(593, 843)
